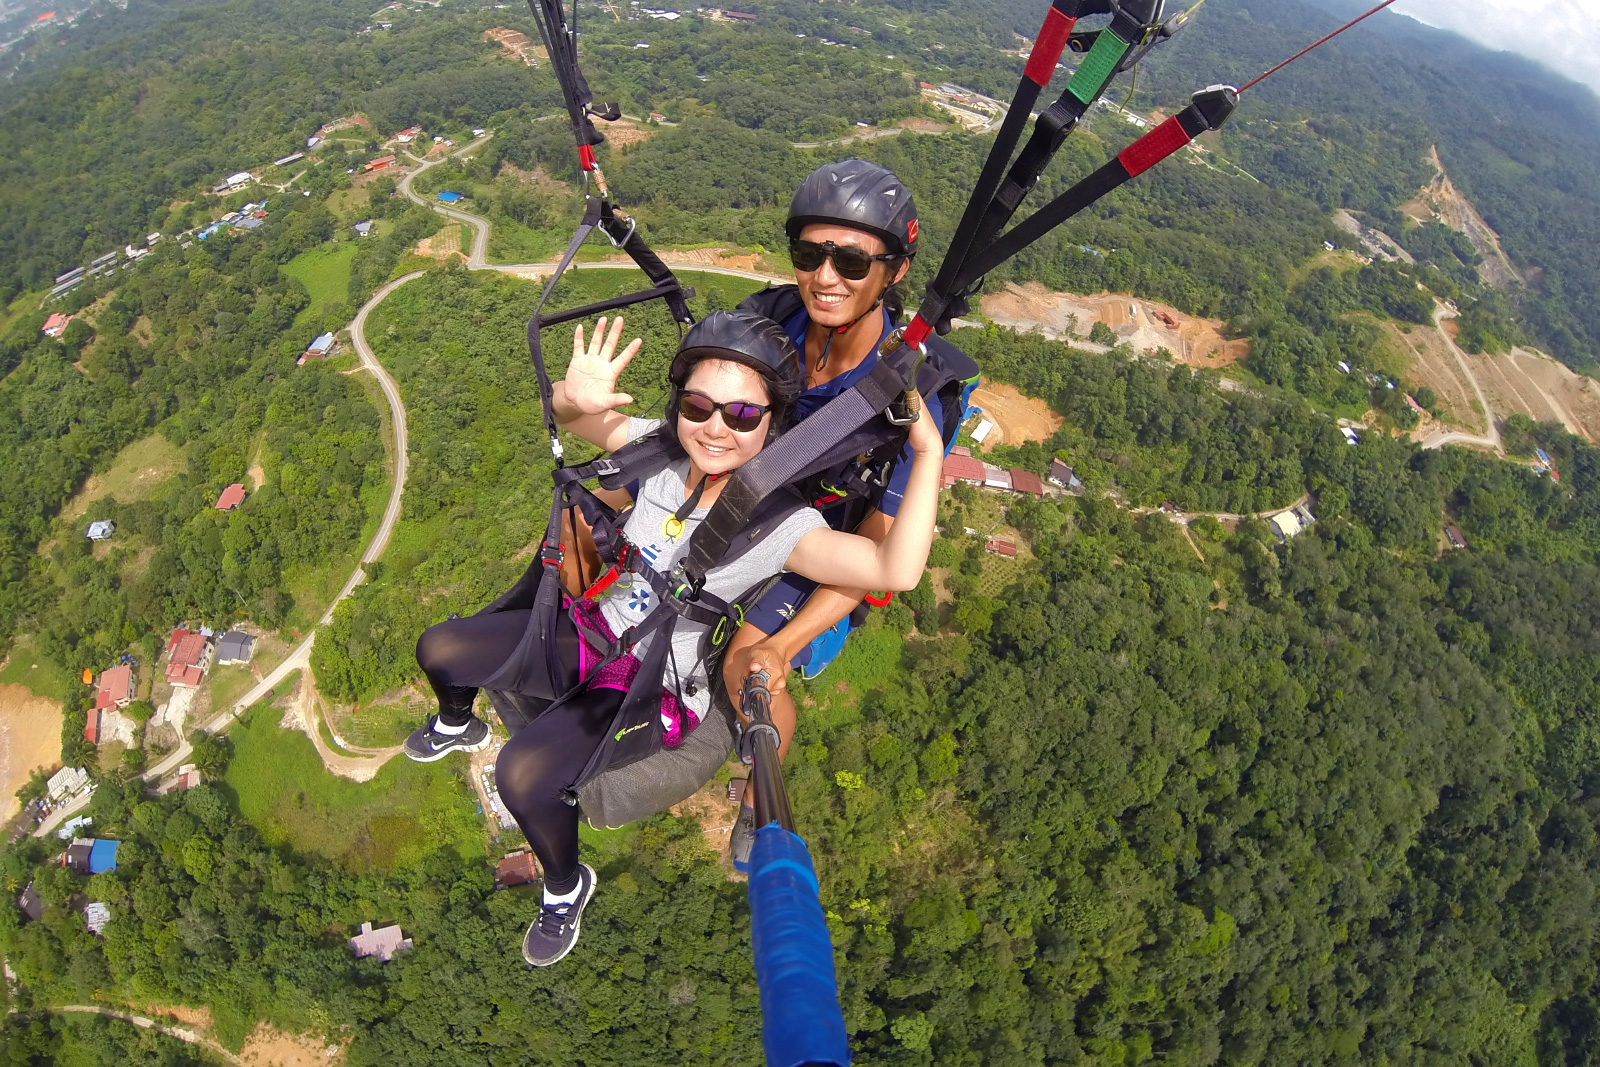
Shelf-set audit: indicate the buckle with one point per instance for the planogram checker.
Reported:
(684, 585)
(551, 557)
(633, 224)
(899, 413)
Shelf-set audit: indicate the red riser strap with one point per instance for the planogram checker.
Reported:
(917, 331)
(586, 156)
(1047, 49)
(1153, 147)
(887, 598)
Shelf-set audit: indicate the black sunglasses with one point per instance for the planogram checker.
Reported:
(737, 415)
(851, 263)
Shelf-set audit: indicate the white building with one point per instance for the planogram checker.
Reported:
(985, 428)
(102, 530)
(66, 782)
(244, 177)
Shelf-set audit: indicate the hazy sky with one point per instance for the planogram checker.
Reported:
(1563, 34)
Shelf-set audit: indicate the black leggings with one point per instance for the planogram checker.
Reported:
(542, 762)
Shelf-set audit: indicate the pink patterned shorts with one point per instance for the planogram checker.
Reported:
(678, 720)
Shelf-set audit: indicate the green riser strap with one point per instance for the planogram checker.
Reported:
(1097, 66)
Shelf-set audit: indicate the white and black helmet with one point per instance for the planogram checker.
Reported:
(861, 195)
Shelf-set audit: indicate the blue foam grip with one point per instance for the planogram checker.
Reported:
(801, 1021)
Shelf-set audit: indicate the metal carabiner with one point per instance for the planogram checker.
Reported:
(899, 413)
(633, 224)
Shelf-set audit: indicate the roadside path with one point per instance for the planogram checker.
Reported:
(187, 1036)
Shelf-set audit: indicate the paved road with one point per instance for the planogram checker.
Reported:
(1456, 437)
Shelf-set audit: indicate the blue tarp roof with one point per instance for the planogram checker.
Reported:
(451, 198)
(103, 856)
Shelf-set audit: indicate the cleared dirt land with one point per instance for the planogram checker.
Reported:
(30, 736)
(1017, 418)
(1440, 200)
(1525, 382)
(1147, 326)
(267, 1047)
(1427, 360)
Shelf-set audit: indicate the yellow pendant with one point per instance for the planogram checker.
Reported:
(673, 527)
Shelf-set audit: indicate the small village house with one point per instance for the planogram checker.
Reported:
(189, 654)
(235, 648)
(102, 530)
(1004, 549)
(55, 324)
(231, 497)
(382, 943)
(516, 868)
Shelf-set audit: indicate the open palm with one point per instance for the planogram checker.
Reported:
(592, 375)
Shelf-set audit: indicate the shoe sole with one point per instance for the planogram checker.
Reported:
(443, 752)
(577, 925)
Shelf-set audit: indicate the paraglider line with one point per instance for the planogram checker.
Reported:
(1319, 44)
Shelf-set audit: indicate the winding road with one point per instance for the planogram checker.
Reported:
(1457, 437)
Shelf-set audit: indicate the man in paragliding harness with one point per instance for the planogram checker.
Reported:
(852, 230)
(636, 631)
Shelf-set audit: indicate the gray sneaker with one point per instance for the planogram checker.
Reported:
(428, 744)
(555, 931)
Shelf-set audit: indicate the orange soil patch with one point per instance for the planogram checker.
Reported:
(358, 119)
(267, 1047)
(1147, 326)
(1452, 329)
(257, 476)
(442, 245)
(1017, 418)
(30, 737)
(919, 125)
(1528, 383)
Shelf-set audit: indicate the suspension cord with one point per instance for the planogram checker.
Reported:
(1317, 45)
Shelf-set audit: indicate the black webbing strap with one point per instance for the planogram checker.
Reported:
(1207, 110)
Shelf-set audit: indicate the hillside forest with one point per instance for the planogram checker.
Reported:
(1144, 794)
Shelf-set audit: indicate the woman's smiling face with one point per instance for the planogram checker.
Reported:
(711, 445)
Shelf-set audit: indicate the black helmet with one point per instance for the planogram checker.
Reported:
(861, 195)
(753, 340)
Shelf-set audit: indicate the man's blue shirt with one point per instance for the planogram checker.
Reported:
(814, 398)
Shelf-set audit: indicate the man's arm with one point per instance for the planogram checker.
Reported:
(821, 611)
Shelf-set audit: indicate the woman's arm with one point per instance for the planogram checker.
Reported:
(585, 402)
(833, 558)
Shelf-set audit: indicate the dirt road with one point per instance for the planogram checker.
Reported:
(1455, 437)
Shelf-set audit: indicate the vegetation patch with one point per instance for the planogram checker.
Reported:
(403, 814)
(325, 272)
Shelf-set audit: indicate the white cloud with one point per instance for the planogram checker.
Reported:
(1561, 34)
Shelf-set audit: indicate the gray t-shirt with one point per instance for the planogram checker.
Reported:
(630, 599)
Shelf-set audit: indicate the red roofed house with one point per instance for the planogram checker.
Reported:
(995, 478)
(1024, 482)
(380, 163)
(115, 689)
(56, 323)
(231, 497)
(961, 450)
(518, 868)
(961, 469)
(1002, 548)
(91, 729)
(190, 656)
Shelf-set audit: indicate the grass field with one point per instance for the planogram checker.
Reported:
(382, 725)
(136, 473)
(406, 812)
(325, 272)
(25, 666)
